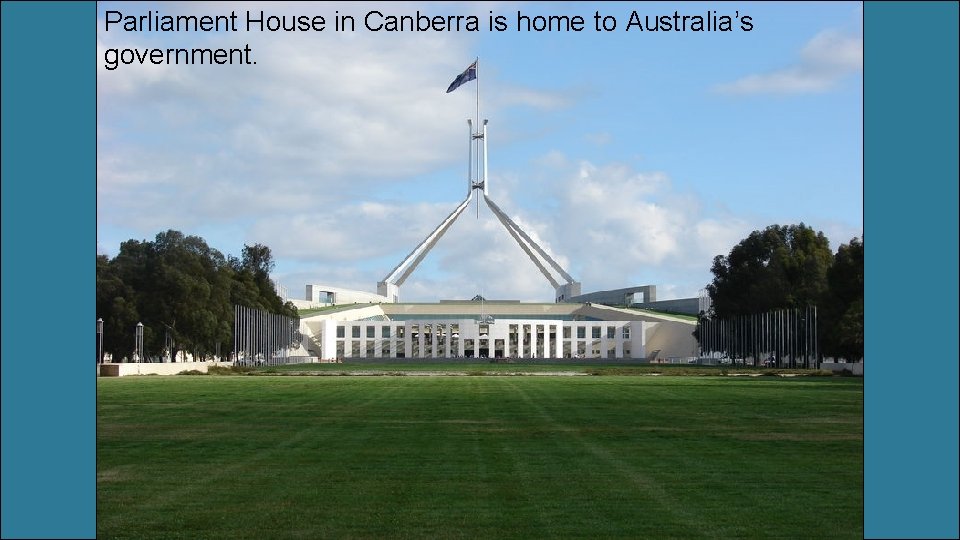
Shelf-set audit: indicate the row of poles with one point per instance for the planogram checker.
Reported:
(260, 337)
(137, 342)
(263, 338)
(782, 338)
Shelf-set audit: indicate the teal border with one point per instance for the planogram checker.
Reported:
(48, 236)
(48, 241)
(910, 241)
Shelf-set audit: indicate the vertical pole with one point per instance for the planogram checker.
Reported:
(139, 342)
(816, 337)
(479, 177)
(478, 90)
(99, 340)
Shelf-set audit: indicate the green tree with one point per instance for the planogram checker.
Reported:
(183, 291)
(116, 305)
(843, 303)
(782, 266)
(254, 288)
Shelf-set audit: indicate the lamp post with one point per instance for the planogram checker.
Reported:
(99, 341)
(139, 343)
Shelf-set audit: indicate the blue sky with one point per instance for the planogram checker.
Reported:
(634, 157)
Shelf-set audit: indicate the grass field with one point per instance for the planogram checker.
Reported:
(471, 457)
(521, 367)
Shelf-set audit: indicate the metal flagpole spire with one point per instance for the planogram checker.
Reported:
(476, 62)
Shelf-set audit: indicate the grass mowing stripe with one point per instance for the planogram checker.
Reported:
(506, 457)
(673, 519)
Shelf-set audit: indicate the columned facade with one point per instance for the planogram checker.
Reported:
(472, 338)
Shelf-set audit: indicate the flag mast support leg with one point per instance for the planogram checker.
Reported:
(469, 157)
(485, 180)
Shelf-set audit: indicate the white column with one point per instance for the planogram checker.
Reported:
(604, 343)
(636, 340)
(533, 340)
(448, 329)
(328, 339)
(546, 340)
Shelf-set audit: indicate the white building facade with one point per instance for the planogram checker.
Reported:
(479, 338)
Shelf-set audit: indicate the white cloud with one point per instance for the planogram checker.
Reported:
(824, 60)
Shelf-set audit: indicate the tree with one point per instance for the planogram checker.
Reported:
(782, 266)
(116, 305)
(253, 274)
(183, 291)
(258, 259)
(843, 303)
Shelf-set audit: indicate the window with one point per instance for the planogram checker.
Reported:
(581, 332)
(611, 332)
(356, 331)
(385, 331)
(595, 332)
(626, 332)
(340, 332)
(371, 331)
(566, 332)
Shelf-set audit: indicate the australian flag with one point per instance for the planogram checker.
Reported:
(468, 75)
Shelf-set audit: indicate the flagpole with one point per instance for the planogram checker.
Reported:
(478, 91)
(479, 175)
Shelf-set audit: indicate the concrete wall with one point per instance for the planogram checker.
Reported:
(318, 294)
(672, 339)
(617, 297)
(312, 327)
(690, 306)
(121, 370)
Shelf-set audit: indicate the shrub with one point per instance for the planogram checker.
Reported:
(230, 370)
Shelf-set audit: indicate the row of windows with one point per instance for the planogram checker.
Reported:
(474, 348)
(385, 331)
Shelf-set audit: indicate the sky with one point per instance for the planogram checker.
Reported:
(634, 158)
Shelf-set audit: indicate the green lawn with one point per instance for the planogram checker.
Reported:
(472, 457)
(520, 366)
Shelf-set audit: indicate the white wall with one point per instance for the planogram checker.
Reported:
(341, 296)
(149, 368)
